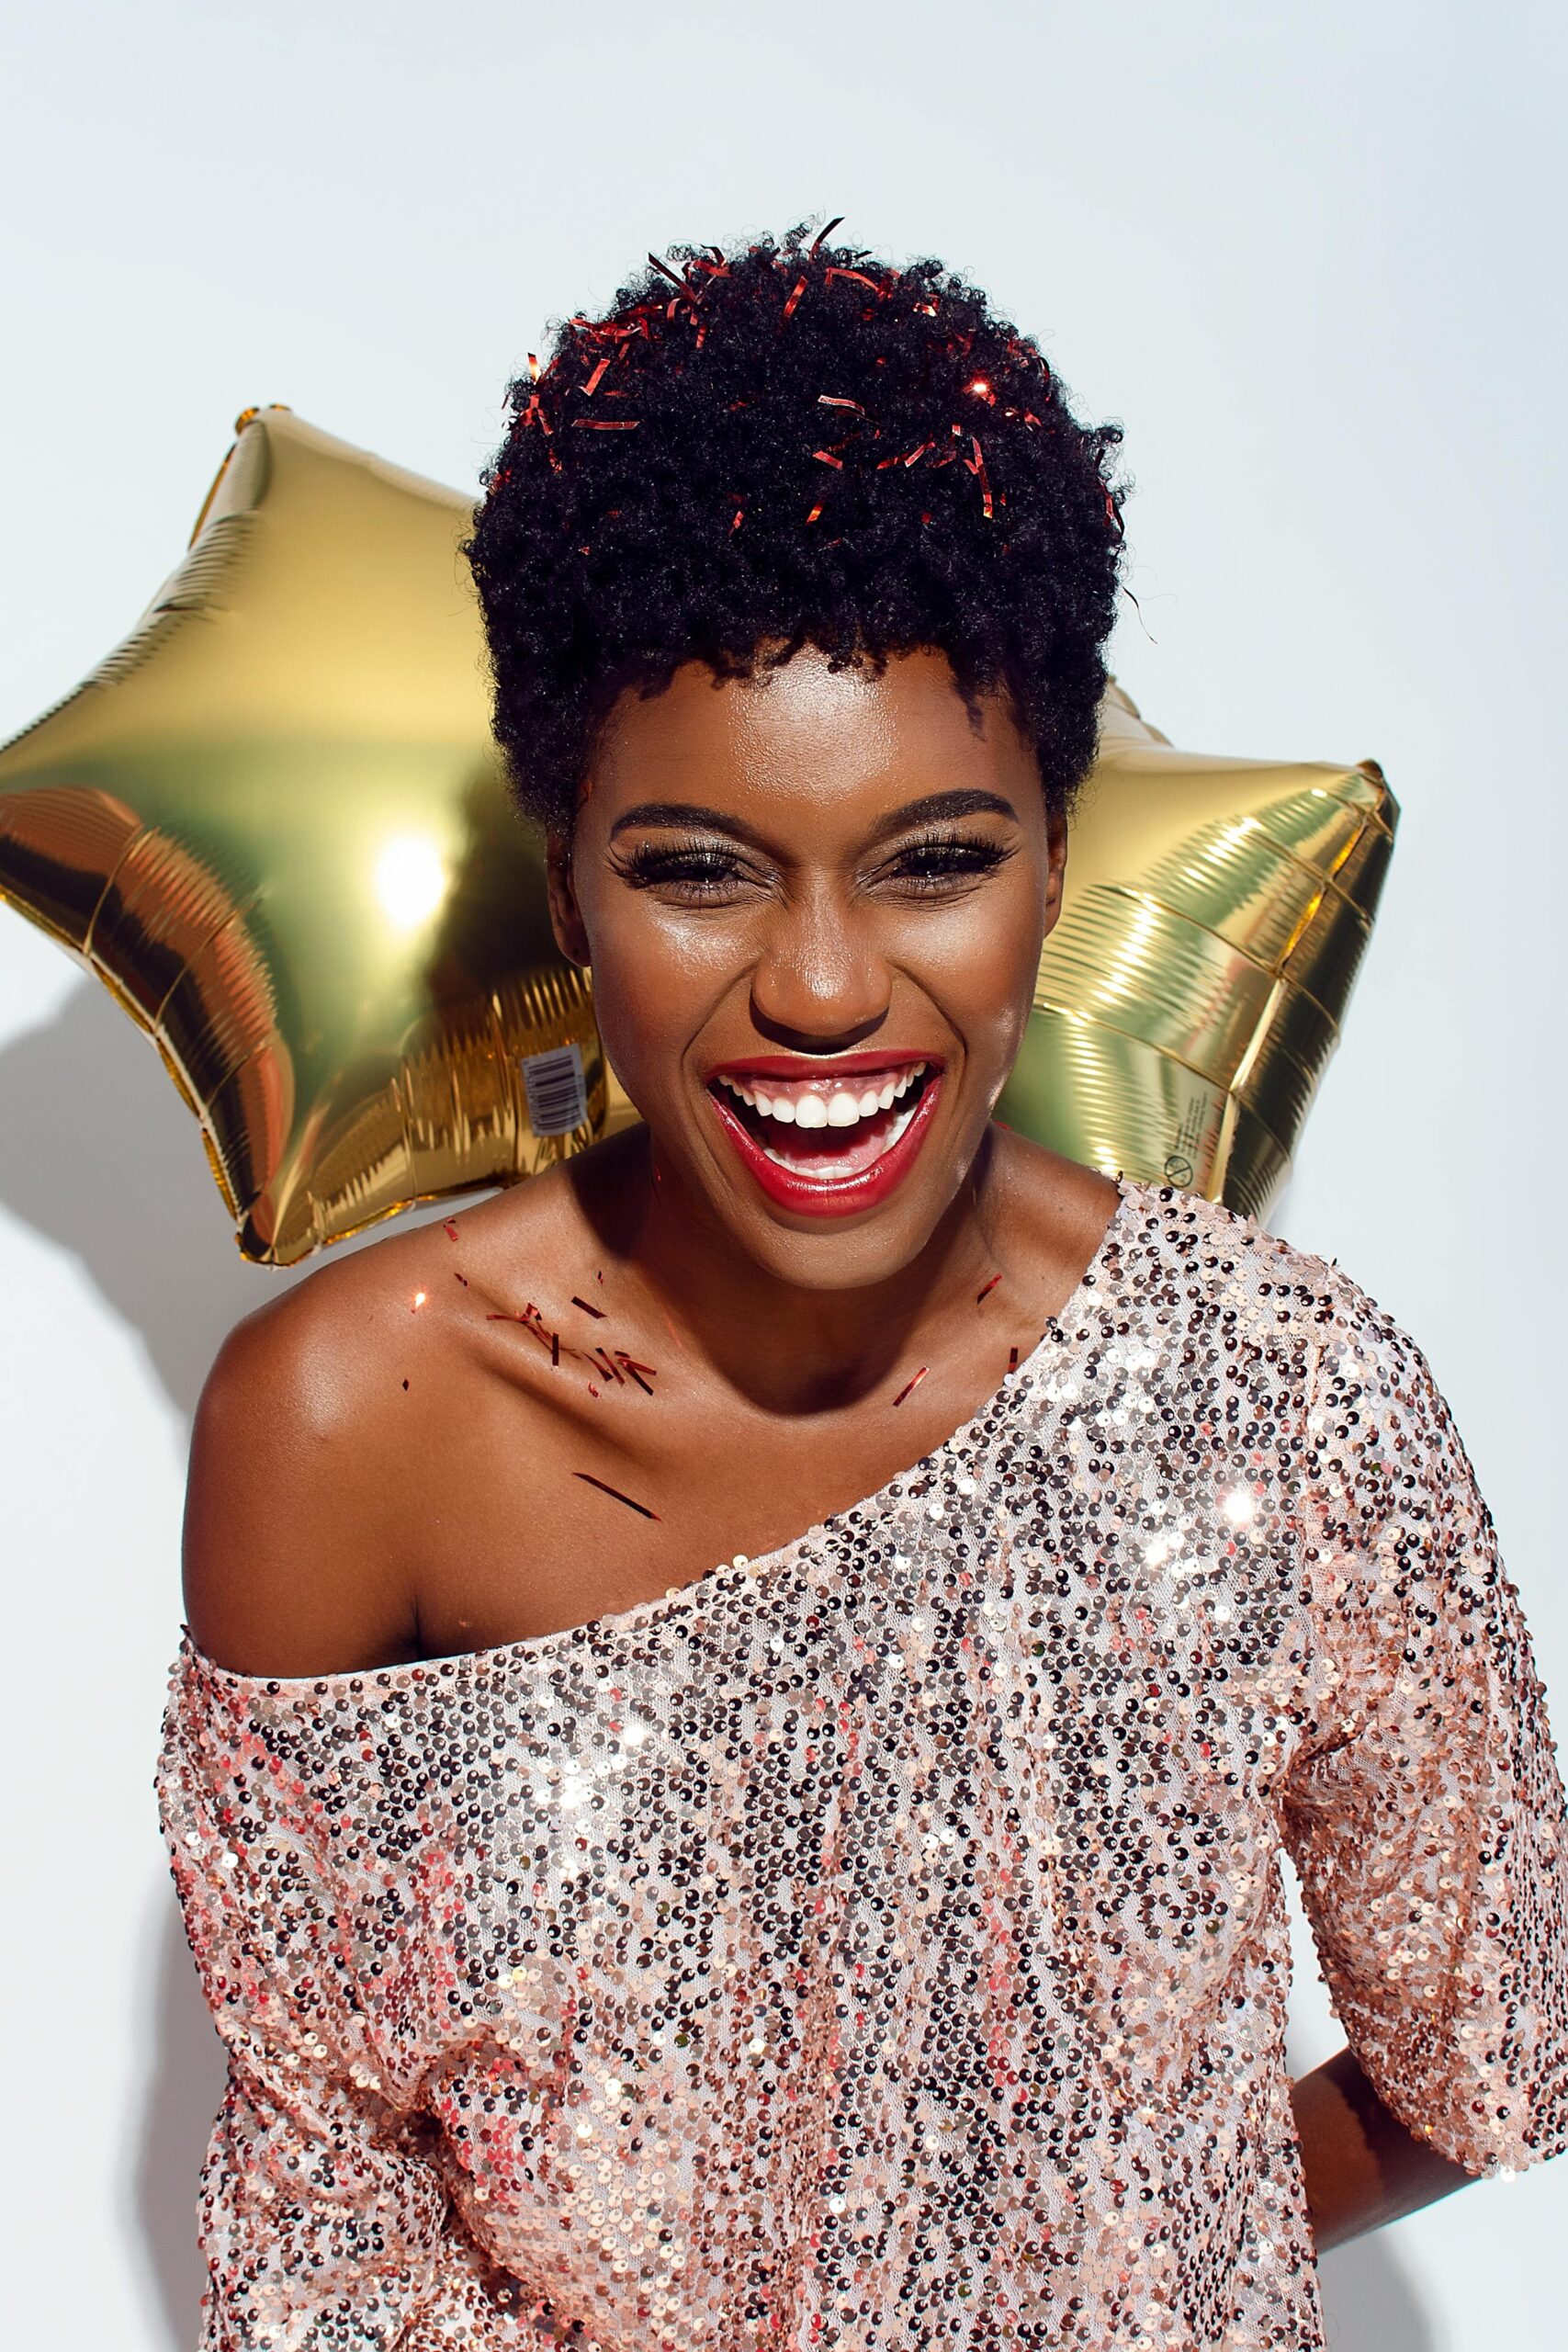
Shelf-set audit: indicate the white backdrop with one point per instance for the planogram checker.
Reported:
(1307, 254)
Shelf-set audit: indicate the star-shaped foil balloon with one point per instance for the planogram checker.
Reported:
(274, 825)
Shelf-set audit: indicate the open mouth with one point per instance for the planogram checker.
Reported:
(828, 1143)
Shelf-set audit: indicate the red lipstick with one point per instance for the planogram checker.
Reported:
(825, 1189)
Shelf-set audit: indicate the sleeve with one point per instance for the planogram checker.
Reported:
(1424, 1812)
(325, 2220)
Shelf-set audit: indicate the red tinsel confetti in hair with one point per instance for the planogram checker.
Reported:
(827, 458)
(789, 307)
(822, 235)
(589, 1480)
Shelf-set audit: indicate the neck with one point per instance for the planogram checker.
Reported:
(788, 1348)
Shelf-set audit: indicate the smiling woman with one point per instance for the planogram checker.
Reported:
(744, 1701)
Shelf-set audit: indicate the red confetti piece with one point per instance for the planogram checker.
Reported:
(533, 368)
(859, 278)
(555, 1351)
(614, 1369)
(635, 1370)
(608, 423)
(448, 1229)
(665, 271)
(814, 513)
(800, 290)
(831, 400)
(739, 513)
(591, 1390)
(989, 1289)
(591, 386)
(910, 1385)
(822, 234)
(1012, 1358)
(589, 1480)
(827, 458)
(915, 455)
(460, 1278)
(597, 1312)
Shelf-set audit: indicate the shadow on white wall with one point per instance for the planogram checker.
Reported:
(99, 1153)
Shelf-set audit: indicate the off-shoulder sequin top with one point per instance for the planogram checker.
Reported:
(881, 1944)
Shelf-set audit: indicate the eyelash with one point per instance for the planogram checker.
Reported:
(703, 869)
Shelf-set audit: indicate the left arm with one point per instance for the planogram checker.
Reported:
(1425, 1814)
(1363, 2168)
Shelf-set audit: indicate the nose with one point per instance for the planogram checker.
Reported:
(820, 985)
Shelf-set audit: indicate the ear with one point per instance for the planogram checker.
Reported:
(566, 918)
(1057, 864)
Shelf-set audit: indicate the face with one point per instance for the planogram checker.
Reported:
(814, 905)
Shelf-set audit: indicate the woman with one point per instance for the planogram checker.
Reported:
(636, 1922)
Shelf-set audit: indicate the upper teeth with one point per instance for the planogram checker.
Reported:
(842, 1108)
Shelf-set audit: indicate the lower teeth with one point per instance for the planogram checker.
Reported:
(815, 1167)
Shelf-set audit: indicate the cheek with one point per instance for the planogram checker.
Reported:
(978, 964)
(656, 981)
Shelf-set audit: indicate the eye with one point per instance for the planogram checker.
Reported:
(942, 863)
(693, 872)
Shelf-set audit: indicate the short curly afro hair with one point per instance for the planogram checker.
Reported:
(784, 444)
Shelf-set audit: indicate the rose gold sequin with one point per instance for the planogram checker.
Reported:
(881, 1944)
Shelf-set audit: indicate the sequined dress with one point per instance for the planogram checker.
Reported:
(880, 1944)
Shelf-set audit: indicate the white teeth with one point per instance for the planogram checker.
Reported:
(840, 1108)
(783, 1160)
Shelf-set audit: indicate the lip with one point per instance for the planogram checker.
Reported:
(823, 1066)
(829, 1196)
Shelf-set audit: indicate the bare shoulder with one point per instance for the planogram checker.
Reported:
(1055, 1211)
(311, 1420)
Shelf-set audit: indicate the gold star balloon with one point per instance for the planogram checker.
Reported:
(274, 825)
(1188, 999)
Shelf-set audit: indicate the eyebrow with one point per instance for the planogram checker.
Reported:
(936, 809)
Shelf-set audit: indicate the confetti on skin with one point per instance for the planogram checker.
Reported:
(1012, 1358)
(597, 1312)
(589, 1480)
(637, 1370)
(982, 1295)
(448, 1229)
(555, 1351)
(910, 1385)
(460, 1278)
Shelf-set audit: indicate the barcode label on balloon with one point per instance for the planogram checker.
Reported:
(557, 1092)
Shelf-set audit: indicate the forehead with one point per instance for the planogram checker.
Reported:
(805, 736)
